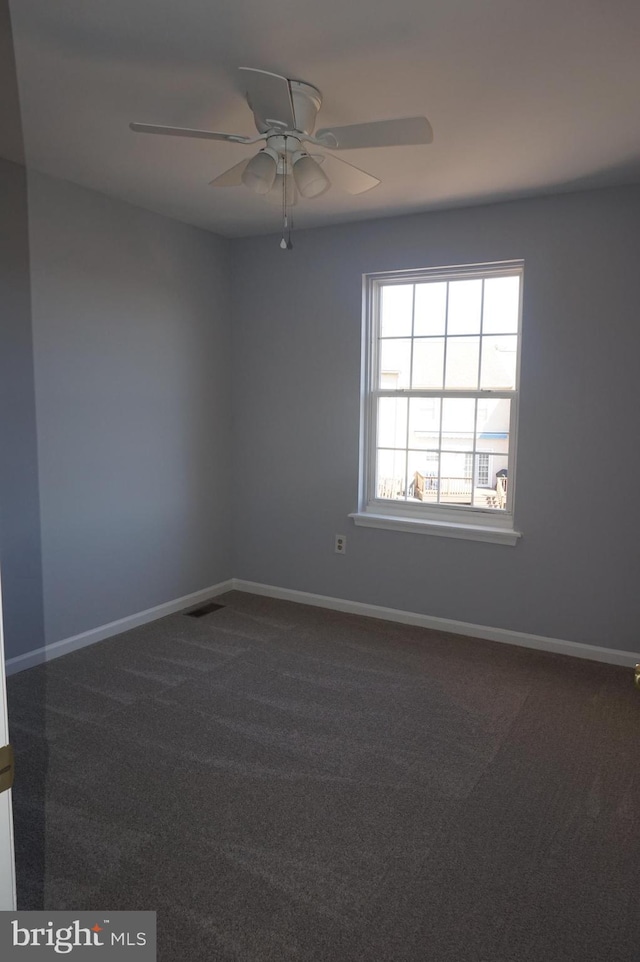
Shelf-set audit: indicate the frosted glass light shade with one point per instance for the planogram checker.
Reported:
(310, 179)
(260, 173)
(275, 194)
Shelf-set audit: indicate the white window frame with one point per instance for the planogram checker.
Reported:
(458, 521)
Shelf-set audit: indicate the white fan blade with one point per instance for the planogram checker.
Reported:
(346, 176)
(231, 177)
(379, 133)
(187, 132)
(269, 96)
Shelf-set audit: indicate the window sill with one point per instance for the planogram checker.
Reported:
(441, 529)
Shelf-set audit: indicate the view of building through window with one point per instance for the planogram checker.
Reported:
(444, 384)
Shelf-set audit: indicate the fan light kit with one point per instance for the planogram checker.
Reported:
(285, 113)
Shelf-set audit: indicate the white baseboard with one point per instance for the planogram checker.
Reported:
(58, 648)
(576, 649)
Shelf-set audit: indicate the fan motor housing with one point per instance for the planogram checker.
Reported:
(307, 101)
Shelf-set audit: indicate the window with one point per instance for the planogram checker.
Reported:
(483, 470)
(440, 398)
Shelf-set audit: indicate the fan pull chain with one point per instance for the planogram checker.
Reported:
(285, 243)
(287, 226)
(290, 226)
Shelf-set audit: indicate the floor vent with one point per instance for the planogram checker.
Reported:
(203, 610)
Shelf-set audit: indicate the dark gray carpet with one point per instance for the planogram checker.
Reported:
(287, 783)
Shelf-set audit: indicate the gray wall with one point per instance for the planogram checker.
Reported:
(131, 343)
(19, 510)
(132, 340)
(297, 323)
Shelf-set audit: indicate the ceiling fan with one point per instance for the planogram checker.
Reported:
(285, 113)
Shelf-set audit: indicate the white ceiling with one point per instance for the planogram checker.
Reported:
(524, 97)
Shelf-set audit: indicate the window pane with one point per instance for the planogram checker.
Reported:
(392, 422)
(428, 362)
(455, 478)
(462, 362)
(492, 429)
(424, 423)
(390, 475)
(501, 305)
(458, 422)
(395, 362)
(498, 368)
(423, 475)
(396, 310)
(464, 307)
(430, 309)
(491, 481)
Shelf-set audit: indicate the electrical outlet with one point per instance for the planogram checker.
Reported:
(341, 544)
